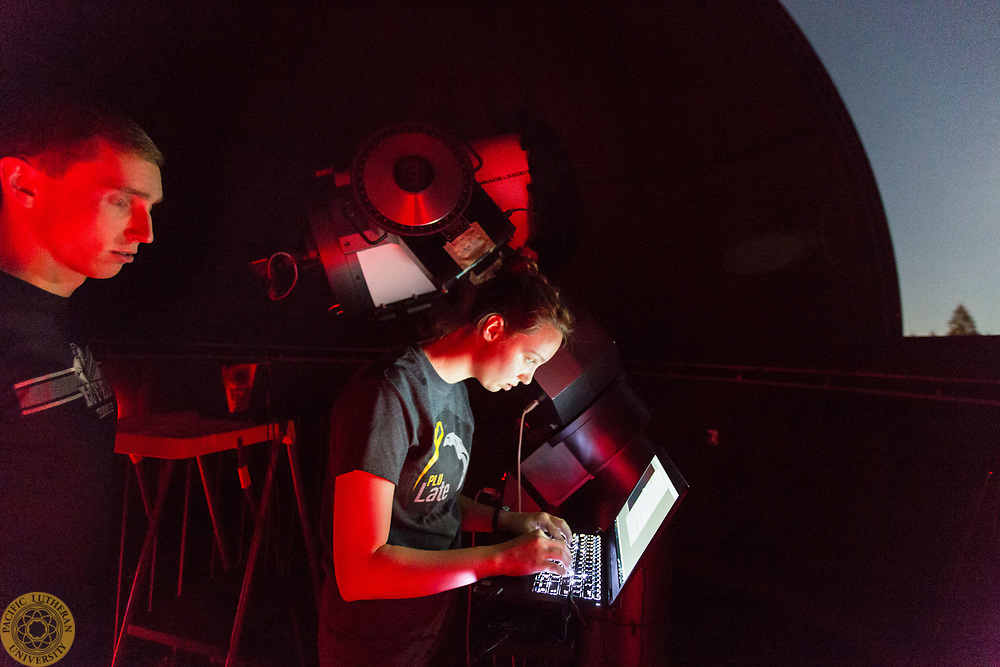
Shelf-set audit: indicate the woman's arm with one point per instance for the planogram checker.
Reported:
(478, 517)
(368, 568)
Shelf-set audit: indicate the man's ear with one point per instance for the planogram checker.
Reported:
(493, 328)
(18, 181)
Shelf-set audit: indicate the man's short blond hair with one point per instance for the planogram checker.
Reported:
(59, 131)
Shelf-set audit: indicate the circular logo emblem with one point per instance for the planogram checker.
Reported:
(37, 629)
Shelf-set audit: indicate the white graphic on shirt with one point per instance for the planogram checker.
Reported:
(83, 379)
(452, 440)
(435, 488)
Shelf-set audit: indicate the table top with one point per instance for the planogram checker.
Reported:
(181, 435)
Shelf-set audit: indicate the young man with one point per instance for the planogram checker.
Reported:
(400, 440)
(76, 188)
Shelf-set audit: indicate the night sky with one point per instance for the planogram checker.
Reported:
(921, 81)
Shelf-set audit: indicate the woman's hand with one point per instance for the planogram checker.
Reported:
(533, 552)
(525, 522)
(543, 545)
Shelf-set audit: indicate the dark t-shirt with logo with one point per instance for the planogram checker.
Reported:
(58, 495)
(402, 422)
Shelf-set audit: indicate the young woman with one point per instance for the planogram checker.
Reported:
(400, 438)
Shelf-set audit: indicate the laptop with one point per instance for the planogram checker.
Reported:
(603, 562)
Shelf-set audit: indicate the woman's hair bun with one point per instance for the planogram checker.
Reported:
(518, 264)
(517, 292)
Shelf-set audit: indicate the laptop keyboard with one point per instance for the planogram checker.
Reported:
(585, 582)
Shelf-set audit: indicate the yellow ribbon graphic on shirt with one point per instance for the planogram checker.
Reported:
(438, 437)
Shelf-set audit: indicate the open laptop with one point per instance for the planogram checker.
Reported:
(603, 562)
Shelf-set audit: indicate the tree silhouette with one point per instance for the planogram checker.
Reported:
(961, 323)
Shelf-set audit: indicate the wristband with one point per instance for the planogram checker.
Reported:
(496, 516)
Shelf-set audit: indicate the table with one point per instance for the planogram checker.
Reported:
(187, 436)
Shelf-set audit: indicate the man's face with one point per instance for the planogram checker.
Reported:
(513, 358)
(93, 218)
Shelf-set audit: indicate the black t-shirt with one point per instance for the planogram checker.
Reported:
(58, 493)
(400, 421)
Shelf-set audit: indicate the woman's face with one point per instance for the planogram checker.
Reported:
(510, 359)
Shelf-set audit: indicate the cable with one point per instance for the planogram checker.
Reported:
(348, 212)
(271, 291)
(504, 637)
(476, 155)
(468, 609)
(520, 439)
(509, 212)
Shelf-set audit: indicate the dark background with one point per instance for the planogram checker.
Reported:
(700, 191)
